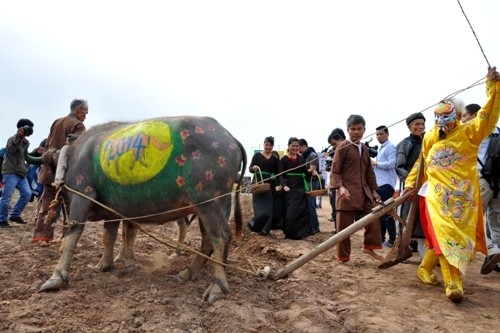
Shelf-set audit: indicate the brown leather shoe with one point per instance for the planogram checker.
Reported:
(490, 263)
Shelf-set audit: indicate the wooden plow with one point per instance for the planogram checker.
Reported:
(388, 207)
(401, 248)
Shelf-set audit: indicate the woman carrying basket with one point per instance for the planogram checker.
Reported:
(293, 170)
(264, 166)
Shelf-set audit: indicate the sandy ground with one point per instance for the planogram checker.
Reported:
(321, 296)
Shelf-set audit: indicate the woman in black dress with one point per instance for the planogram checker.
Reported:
(264, 166)
(292, 172)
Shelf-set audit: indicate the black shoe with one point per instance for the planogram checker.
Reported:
(413, 245)
(17, 219)
(4, 224)
(250, 226)
(497, 268)
(489, 263)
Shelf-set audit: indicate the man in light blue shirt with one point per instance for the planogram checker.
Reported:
(385, 172)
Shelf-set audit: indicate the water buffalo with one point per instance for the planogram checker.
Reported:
(154, 171)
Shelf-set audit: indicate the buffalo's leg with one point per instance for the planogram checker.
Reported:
(182, 227)
(193, 271)
(60, 277)
(108, 239)
(217, 233)
(127, 249)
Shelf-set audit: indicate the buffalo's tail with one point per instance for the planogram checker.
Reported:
(238, 217)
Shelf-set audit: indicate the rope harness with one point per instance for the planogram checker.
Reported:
(59, 201)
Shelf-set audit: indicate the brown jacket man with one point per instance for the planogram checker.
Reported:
(354, 179)
(59, 131)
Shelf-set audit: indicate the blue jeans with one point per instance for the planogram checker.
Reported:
(11, 181)
(387, 223)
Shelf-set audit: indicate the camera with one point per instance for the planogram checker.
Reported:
(372, 150)
(329, 159)
(28, 130)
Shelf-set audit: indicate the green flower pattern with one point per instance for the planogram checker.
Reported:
(460, 252)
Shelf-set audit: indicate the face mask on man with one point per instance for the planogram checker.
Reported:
(445, 116)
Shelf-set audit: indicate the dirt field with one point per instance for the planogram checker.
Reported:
(321, 296)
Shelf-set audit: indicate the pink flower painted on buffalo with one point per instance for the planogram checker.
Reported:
(199, 186)
(215, 144)
(209, 175)
(79, 179)
(199, 130)
(211, 128)
(180, 160)
(221, 161)
(180, 181)
(184, 134)
(196, 155)
(233, 146)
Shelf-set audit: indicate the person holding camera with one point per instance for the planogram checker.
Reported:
(334, 139)
(312, 178)
(61, 128)
(14, 170)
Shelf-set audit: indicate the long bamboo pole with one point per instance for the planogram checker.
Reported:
(377, 212)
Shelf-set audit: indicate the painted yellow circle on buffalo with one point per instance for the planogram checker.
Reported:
(136, 153)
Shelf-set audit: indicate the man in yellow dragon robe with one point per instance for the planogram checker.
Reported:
(454, 216)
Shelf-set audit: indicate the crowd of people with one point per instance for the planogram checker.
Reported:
(24, 171)
(458, 202)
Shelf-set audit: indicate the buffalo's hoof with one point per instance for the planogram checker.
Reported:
(119, 260)
(213, 293)
(128, 270)
(52, 285)
(174, 256)
(100, 267)
(185, 275)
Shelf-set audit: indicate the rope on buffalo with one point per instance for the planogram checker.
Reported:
(481, 81)
(138, 226)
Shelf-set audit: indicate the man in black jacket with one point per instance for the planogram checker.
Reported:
(407, 153)
(14, 171)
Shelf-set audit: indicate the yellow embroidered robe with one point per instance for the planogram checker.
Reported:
(453, 197)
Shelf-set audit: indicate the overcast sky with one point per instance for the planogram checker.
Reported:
(280, 68)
